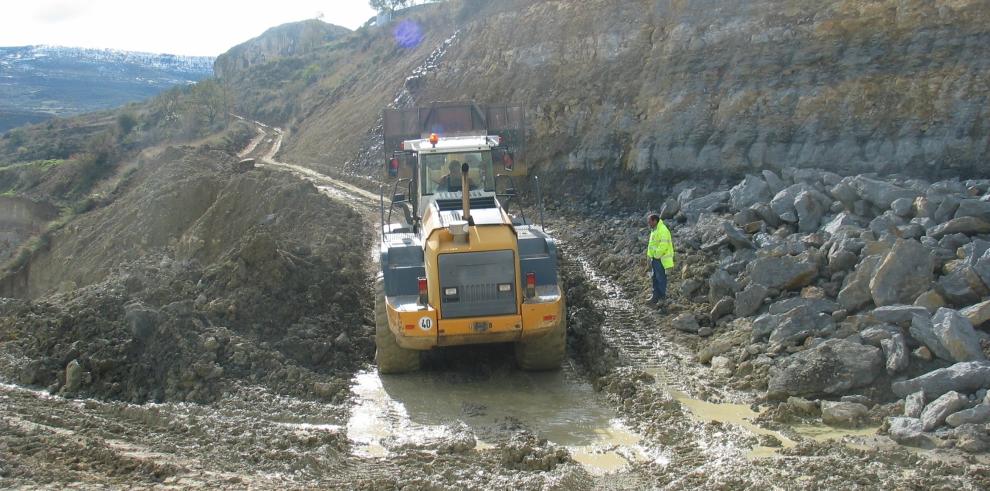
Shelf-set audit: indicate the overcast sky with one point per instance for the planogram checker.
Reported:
(183, 27)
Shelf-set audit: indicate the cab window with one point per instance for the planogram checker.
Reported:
(440, 172)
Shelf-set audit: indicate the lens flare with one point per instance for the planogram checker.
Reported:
(408, 34)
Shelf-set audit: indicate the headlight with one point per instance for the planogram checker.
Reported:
(450, 292)
(505, 287)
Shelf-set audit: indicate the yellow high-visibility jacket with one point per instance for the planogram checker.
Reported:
(661, 246)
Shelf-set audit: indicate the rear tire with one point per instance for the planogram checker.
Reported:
(391, 357)
(546, 352)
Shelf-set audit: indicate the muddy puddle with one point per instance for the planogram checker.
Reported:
(399, 411)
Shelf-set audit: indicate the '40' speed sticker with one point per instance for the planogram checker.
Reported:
(425, 323)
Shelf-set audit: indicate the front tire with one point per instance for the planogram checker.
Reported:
(391, 357)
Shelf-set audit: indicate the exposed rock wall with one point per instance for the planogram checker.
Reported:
(285, 40)
(665, 89)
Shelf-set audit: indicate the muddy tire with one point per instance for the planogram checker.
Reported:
(546, 352)
(391, 357)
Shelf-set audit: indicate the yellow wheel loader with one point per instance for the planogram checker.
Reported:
(457, 268)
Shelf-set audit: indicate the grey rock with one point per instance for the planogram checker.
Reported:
(810, 206)
(73, 376)
(930, 300)
(843, 413)
(721, 284)
(823, 305)
(783, 202)
(669, 209)
(904, 274)
(794, 326)
(686, 323)
(750, 191)
(946, 209)
(923, 331)
(857, 398)
(736, 237)
(766, 214)
(895, 350)
(840, 222)
(855, 293)
(972, 438)
(955, 333)
(960, 287)
(973, 208)
(723, 308)
(844, 193)
(923, 353)
(963, 225)
(749, 301)
(803, 406)
(914, 404)
(831, 368)
(783, 273)
(979, 414)
(879, 193)
(705, 204)
(773, 182)
(965, 377)
(841, 261)
(142, 320)
(910, 432)
(902, 207)
(874, 335)
(936, 411)
(977, 314)
(981, 267)
(923, 208)
(900, 315)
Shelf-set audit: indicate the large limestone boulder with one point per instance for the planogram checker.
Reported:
(855, 293)
(831, 368)
(904, 274)
(963, 225)
(965, 377)
(811, 206)
(879, 193)
(747, 193)
(749, 301)
(784, 272)
(935, 413)
(977, 314)
(979, 414)
(956, 334)
(909, 431)
(845, 414)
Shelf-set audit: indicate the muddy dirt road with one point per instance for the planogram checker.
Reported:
(630, 409)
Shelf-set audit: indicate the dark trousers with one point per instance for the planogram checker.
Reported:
(659, 279)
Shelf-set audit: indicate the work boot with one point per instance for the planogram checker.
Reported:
(653, 299)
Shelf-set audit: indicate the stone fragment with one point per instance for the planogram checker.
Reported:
(831, 368)
(973, 208)
(810, 206)
(979, 414)
(910, 432)
(722, 308)
(686, 323)
(963, 225)
(855, 293)
(902, 207)
(966, 377)
(750, 191)
(803, 406)
(846, 414)
(749, 301)
(783, 273)
(896, 351)
(705, 204)
(879, 193)
(935, 412)
(721, 284)
(977, 314)
(923, 331)
(972, 438)
(956, 334)
(737, 239)
(73, 376)
(930, 300)
(822, 305)
(914, 404)
(904, 274)
(793, 326)
(898, 314)
(773, 182)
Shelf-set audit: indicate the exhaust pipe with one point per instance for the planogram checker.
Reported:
(465, 194)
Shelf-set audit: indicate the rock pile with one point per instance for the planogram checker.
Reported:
(819, 286)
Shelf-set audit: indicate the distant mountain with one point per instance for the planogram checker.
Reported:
(38, 82)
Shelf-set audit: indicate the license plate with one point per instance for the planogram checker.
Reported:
(482, 326)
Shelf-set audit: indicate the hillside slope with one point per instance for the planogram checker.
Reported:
(663, 89)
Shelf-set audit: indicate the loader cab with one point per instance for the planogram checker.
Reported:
(437, 169)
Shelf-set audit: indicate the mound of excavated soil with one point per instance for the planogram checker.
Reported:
(264, 282)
